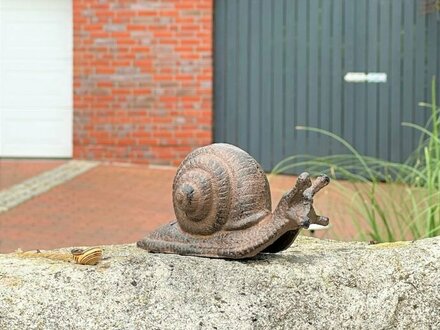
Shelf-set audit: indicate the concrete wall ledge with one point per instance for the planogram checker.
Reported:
(315, 284)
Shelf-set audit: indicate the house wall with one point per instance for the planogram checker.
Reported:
(142, 79)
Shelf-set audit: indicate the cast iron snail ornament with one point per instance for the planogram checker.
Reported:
(222, 203)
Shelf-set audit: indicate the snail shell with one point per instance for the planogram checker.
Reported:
(220, 187)
(89, 256)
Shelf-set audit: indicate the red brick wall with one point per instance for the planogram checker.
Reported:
(142, 79)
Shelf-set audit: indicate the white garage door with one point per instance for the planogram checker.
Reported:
(36, 78)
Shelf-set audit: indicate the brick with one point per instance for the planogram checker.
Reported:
(142, 79)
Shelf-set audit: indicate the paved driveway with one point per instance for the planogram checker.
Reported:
(54, 203)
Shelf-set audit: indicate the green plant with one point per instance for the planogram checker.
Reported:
(428, 163)
(388, 201)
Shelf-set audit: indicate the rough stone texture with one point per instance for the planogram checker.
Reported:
(314, 284)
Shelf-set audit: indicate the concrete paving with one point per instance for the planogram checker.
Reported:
(84, 203)
(13, 171)
(21, 192)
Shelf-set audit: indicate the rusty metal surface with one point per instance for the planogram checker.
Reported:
(222, 204)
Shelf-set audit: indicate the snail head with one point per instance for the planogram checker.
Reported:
(187, 197)
(297, 204)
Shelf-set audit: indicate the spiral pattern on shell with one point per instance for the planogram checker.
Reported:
(90, 256)
(220, 187)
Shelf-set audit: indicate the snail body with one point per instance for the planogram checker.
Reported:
(222, 203)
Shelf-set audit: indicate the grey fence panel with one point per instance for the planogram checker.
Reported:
(348, 93)
(243, 75)
(255, 79)
(281, 64)
(383, 129)
(420, 79)
(267, 80)
(290, 82)
(409, 107)
(302, 76)
(395, 81)
(232, 15)
(312, 80)
(372, 65)
(278, 37)
(337, 83)
(325, 86)
(360, 113)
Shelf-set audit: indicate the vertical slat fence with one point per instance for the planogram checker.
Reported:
(281, 64)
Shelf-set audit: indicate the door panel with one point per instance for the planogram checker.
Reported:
(36, 78)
